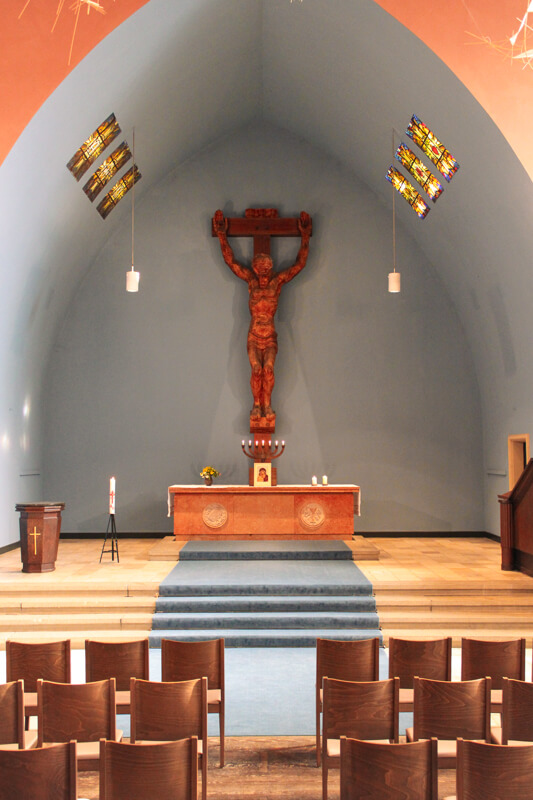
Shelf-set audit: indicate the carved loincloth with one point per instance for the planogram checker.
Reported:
(270, 341)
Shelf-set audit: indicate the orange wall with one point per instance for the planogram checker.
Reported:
(501, 85)
(34, 61)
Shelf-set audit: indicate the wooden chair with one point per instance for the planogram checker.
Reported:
(119, 660)
(388, 771)
(162, 771)
(431, 658)
(12, 733)
(448, 710)
(46, 773)
(360, 710)
(30, 661)
(346, 661)
(163, 711)
(499, 659)
(186, 661)
(517, 714)
(84, 712)
(491, 772)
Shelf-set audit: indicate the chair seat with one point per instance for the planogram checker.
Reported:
(334, 746)
(161, 741)
(88, 753)
(30, 740)
(123, 701)
(30, 704)
(406, 699)
(446, 750)
(214, 698)
(496, 699)
(496, 738)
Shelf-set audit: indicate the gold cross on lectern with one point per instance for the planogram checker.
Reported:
(35, 535)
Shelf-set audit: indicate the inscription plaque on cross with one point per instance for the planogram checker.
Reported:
(264, 288)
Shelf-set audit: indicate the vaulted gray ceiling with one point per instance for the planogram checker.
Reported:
(340, 74)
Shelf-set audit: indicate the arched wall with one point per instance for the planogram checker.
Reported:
(371, 388)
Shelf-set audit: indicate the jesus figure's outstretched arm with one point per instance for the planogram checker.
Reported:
(220, 225)
(304, 225)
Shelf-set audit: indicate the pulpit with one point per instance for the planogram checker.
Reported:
(271, 512)
(40, 526)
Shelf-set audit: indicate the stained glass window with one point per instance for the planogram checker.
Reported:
(419, 171)
(93, 146)
(430, 145)
(408, 191)
(115, 195)
(106, 171)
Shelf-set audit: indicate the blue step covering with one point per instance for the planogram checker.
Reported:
(265, 594)
(262, 549)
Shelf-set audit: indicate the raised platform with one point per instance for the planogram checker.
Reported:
(357, 549)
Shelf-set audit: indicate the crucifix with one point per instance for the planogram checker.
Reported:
(35, 535)
(264, 288)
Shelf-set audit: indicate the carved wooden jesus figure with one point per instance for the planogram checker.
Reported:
(264, 288)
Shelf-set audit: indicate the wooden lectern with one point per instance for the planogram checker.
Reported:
(40, 525)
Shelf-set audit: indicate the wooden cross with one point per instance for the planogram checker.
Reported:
(261, 224)
(35, 535)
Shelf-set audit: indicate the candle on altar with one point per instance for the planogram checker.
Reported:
(324, 480)
(112, 495)
(249, 442)
(242, 442)
(283, 442)
(276, 442)
(314, 480)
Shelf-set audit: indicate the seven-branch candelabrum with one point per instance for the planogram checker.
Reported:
(263, 449)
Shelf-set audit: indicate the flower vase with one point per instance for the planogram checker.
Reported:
(208, 480)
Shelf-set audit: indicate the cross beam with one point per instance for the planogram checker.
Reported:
(261, 224)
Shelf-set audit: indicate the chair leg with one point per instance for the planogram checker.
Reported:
(324, 780)
(204, 776)
(221, 724)
(318, 735)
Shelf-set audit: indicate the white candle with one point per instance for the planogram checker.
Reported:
(242, 442)
(112, 495)
(263, 443)
(314, 480)
(283, 442)
(249, 442)
(276, 442)
(324, 480)
(270, 442)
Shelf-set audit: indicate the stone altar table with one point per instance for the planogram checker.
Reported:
(272, 512)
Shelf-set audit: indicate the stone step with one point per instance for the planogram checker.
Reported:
(258, 603)
(70, 622)
(263, 638)
(266, 550)
(69, 604)
(46, 589)
(263, 620)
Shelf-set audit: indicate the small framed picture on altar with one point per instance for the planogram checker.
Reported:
(262, 474)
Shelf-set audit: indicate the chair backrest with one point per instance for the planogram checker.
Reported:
(347, 661)
(388, 771)
(493, 772)
(40, 774)
(166, 770)
(186, 661)
(430, 658)
(360, 709)
(33, 660)
(449, 709)
(12, 713)
(81, 711)
(117, 659)
(517, 711)
(162, 710)
(500, 659)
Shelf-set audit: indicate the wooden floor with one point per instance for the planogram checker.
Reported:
(266, 768)
(423, 587)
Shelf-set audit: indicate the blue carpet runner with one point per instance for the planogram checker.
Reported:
(265, 594)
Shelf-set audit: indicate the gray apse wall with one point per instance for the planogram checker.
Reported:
(371, 388)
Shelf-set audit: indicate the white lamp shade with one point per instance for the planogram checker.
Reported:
(132, 281)
(394, 282)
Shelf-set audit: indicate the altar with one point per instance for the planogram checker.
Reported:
(271, 512)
